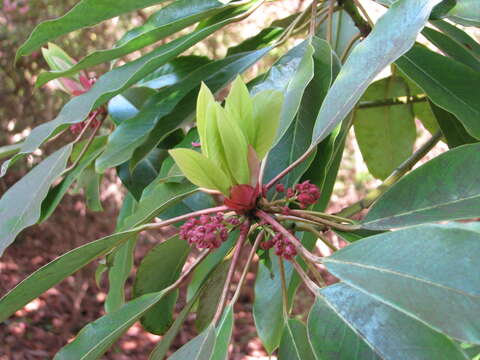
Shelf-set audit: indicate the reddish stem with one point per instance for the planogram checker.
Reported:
(281, 229)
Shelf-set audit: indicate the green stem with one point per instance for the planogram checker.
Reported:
(328, 216)
(396, 175)
(358, 20)
(332, 224)
(284, 286)
(318, 235)
(303, 275)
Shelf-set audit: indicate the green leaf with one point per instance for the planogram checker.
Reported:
(110, 84)
(267, 107)
(167, 21)
(420, 271)
(224, 335)
(204, 101)
(90, 181)
(347, 324)
(210, 296)
(57, 270)
(297, 139)
(127, 104)
(20, 206)
(160, 268)
(169, 108)
(200, 170)
(239, 106)
(453, 131)
(209, 263)
(432, 192)
(107, 329)
(8, 150)
(344, 30)
(55, 195)
(385, 134)
(120, 261)
(199, 348)
(295, 344)
(458, 35)
(265, 37)
(466, 12)
(393, 35)
(290, 75)
(452, 48)
(157, 199)
(234, 144)
(448, 83)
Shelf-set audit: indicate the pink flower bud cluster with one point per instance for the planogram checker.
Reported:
(207, 232)
(305, 193)
(79, 88)
(283, 246)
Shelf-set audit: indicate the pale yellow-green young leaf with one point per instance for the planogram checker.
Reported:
(57, 58)
(200, 170)
(213, 142)
(266, 114)
(205, 98)
(235, 146)
(239, 105)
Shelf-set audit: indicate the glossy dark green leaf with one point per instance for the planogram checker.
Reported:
(452, 48)
(447, 82)
(433, 192)
(120, 261)
(85, 13)
(152, 124)
(127, 104)
(20, 205)
(297, 138)
(458, 35)
(110, 84)
(57, 270)
(90, 182)
(452, 129)
(55, 195)
(159, 269)
(466, 12)
(210, 296)
(96, 337)
(224, 335)
(386, 134)
(347, 324)
(199, 348)
(295, 344)
(393, 35)
(420, 271)
(144, 173)
(167, 21)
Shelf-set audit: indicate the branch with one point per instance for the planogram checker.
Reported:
(358, 20)
(396, 175)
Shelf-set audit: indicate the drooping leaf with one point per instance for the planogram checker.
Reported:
(55, 195)
(295, 344)
(167, 21)
(20, 206)
(453, 131)
(458, 35)
(57, 270)
(466, 12)
(264, 38)
(90, 182)
(239, 106)
(200, 170)
(452, 48)
(127, 104)
(110, 84)
(159, 269)
(448, 83)
(120, 261)
(406, 269)
(347, 324)
(199, 348)
(385, 134)
(85, 13)
(393, 35)
(432, 192)
(224, 335)
(210, 296)
(107, 329)
(9, 150)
